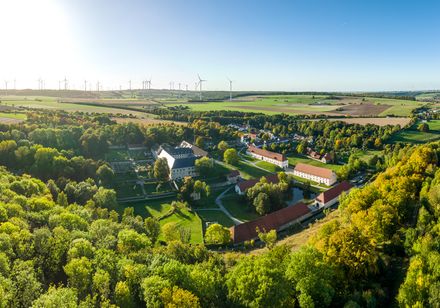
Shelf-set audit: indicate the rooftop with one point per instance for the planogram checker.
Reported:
(334, 192)
(313, 170)
(266, 153)
(245, 185)
(273, 221)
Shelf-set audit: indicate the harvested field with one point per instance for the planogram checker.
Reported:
(10, 120)
(376, 121)
(361, 109)
(293, 109)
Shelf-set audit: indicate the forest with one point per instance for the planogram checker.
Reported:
(63, 244)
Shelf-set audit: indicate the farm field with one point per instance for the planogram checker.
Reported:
(146, 121)
(11, 118)
(412, 135)
(52, 103)
(295, 159)
(402, 121)
(312, 104)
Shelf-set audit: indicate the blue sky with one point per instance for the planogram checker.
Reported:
(261, 45)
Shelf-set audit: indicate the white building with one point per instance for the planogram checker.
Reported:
(271, 157)
(181, 161)
(331, 196)
(315, 174)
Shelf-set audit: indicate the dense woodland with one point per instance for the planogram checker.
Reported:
(62, 244)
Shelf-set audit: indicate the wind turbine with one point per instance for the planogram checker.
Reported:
(6, 87)
(230, 89)
(200, 85)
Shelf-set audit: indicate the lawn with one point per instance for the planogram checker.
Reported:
(186, 219)
(126, 190)
(268, 166)
(295, 159)
(367, 154)
(158, 208)
(413, 136)
(117, 155)
(238, 208)
(215, 216)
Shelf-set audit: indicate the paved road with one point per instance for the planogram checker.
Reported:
(219, 203)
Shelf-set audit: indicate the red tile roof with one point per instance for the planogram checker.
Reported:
(313, 170)
(247, 231)
(334, 192)
(266, 153)
(245, 185)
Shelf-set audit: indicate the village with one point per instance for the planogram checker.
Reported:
(312, 187)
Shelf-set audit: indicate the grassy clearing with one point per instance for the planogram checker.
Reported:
(247, 171)
(238, 208)
(268, 166)
(295, 159)
(186, 219)
(367, 154)
(215, 216)
(18, 116)
(413, 136)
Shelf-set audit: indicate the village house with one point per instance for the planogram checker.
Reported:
(315, 174)
(331, 196)
(198, 152)
(271, 157)
(241, 187)
(278, 220)
(181, 161)
(233, 177)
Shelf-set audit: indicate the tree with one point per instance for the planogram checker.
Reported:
(217, 234)
(105, 175)
(79, 273)
(269, 238)
(172, 231)
(106, 198)
(177, 297)
(25, 285)
(204, 166)
(57, 297)
(161, 169)
(152, 228)
(200, 142)
(123, 295)
(262, 203)
(152, 287)
(222, 146)
(423, 127)
(231, 156)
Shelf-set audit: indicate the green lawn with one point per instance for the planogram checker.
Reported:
(295, 159)
(268, 166)
(187, 219)
(117, 155)
(412, 135)
(367, 154)
(157, 208)
(19, 116)
(238, 208)
(125, 190)
(215, 216)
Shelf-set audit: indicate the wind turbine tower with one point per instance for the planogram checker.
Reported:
(200, 85)
(230, 89)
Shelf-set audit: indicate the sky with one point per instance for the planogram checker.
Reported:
(292, 45)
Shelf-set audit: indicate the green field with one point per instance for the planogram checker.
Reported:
(239, 208)
(52, 103)
(413, 136)
(18, 116)
(158, 208)
(247, 171)
(295, 159)
(268, 166)
(305, 104)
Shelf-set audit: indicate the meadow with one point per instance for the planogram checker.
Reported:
(295, 159)
(414, 136)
